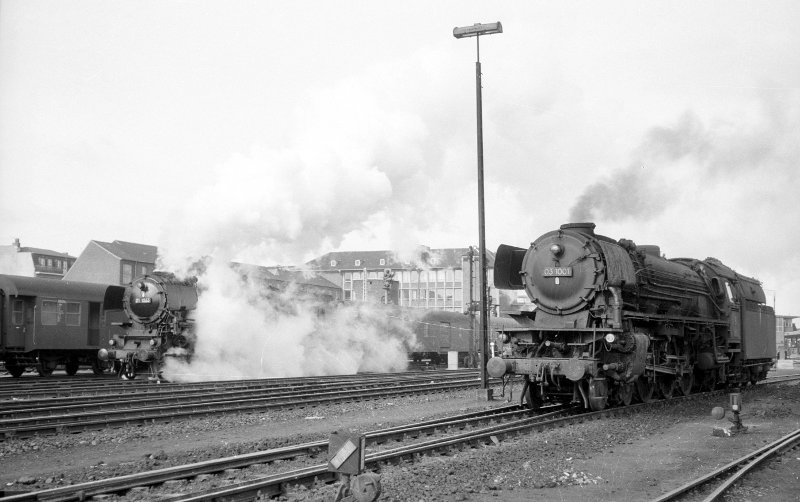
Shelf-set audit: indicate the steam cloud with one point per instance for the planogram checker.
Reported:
(246, 331)
(287, 205)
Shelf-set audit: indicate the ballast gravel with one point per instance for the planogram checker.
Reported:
(632, 457)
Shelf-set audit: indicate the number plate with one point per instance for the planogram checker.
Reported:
(557, 272)
(143, 300)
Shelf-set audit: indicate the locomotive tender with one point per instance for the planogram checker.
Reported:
(159, 323)
(615, 320)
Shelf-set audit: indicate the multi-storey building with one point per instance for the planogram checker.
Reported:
(431, 279)
(34, 262)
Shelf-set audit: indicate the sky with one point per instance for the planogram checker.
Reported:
(274, 132)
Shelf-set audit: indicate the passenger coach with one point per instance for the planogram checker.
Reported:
(48, 322)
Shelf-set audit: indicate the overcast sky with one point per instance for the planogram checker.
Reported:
(273, 132)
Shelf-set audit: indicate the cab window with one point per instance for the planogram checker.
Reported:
(729, 291)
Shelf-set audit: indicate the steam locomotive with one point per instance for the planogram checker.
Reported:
(159, 310)
(615, 321)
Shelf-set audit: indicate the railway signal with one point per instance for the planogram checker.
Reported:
(346, 456)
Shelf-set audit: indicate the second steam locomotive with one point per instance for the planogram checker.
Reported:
(614, 320)
(160, 323)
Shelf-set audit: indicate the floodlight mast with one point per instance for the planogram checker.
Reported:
(476, 31)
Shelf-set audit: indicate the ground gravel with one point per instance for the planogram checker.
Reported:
(635, 457)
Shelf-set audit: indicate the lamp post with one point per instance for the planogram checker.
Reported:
(476, 31)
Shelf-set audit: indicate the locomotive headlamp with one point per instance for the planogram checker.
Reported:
(152, 342)
(504, 338)
(102, 354)
(557, 249)
(112, 342)
(611, 338)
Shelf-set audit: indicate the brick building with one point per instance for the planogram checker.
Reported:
(115, 262)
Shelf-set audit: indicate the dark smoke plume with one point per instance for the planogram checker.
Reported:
(713, 153)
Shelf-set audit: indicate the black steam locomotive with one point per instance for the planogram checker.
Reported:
(615, 321)
(159, 310)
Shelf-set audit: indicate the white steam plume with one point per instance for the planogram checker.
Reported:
(352, 159)
(248, 331)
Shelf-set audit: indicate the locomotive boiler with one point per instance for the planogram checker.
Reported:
(160, 323)
(615, 321)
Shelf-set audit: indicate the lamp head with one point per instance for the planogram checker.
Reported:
(478, 29)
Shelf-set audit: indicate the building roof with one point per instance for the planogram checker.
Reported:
(48, 252)
(288, 275)
(131, 251)
(422, 258)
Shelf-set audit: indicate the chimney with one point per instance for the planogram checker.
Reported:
(16, 243)
(584, 227)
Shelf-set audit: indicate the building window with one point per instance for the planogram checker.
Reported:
(382, 262)
(19, 309)
(144, 270)
(358, 263)
(42, 261)
(127, 273)
(333, 263)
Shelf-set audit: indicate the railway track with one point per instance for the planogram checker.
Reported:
(134, 397)
(727, 475)
(32, 389)
(377, 441)
(26, 421)
(275, 485)
(451, 434)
